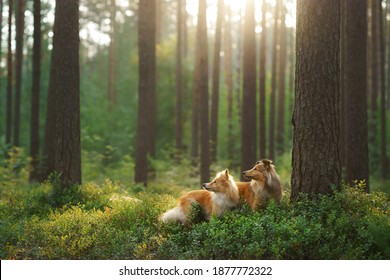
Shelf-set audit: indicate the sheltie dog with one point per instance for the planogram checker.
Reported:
(264, 185)
(218, 196)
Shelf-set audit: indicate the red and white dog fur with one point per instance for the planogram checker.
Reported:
(218, 196)
(264, 185)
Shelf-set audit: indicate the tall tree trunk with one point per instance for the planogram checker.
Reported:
(34, 128)
(356, 91)
(67, 92)
(1, 56)
(282, 79)
(374, 73)
(146, 122)
(342, 81)
(179, 80)
(229, 79)
(238, 67)
(112, 59)
(263, 59)
(383, 157)
(291, 77)
(9, 78)
(316, 160)
(215, 89)
(185, 29)
(249, 117)
(18, 68)
(203, 93)
(388, 57)
(159, 20)
(273, 83)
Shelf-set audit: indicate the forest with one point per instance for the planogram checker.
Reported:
(111, 110)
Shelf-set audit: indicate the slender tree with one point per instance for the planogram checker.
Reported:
(9, 78)
(36, 76)
(316, 160)
(263, 61)
(356, 91)
(203, 94)
(238, 69)
(112, 56)
(282, 79)
(65, 59)
(1, 56)
(18, 68)
(273, 82)
(229, 78)
(146, 122)
(215, 82)
(249, 117)
(374, 73)
(383, 157)
(179, 79)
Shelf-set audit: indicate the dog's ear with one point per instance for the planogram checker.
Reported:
(267, 163)
(258, 162)
(227, 173)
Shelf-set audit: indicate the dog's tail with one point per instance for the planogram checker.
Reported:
(175, 214)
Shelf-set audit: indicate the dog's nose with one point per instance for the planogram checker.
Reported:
(243, 173)
(204, 185)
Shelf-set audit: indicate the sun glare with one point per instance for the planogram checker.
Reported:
(237, 7)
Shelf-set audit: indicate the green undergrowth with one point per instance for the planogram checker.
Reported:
(112, 221)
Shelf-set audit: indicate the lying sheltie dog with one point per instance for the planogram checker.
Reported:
(264, 185)
(218, 196)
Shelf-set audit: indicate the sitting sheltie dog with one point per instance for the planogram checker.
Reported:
(218, 196)
(264, 185)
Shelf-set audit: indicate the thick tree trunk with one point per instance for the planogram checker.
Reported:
(263, 74)
(356, 91)
(249, 117)
(342, 81)
(316, 161)
(146, 123)
(18, 68)
(67, 92)
(282, 80)
(34, 128)
(273, 83)
(238, 68)
(215, 83)
(8, 129)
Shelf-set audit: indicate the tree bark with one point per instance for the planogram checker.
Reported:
(383, 157)
(203, 93)
(355, 90)
(273, 83)
(18, 69)
(179, 80)
(1, 56)
(249, 117)
(8, 132)
(215, 83)
(374, 74)
(112, 57)
(67, 92)
(316, 161)
(36, 77)
(146, 123)
(282, 79)
(229, 79)
(263, 61)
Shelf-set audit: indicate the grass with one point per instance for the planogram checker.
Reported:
(118, 220)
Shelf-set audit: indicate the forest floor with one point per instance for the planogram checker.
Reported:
(105, 219)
